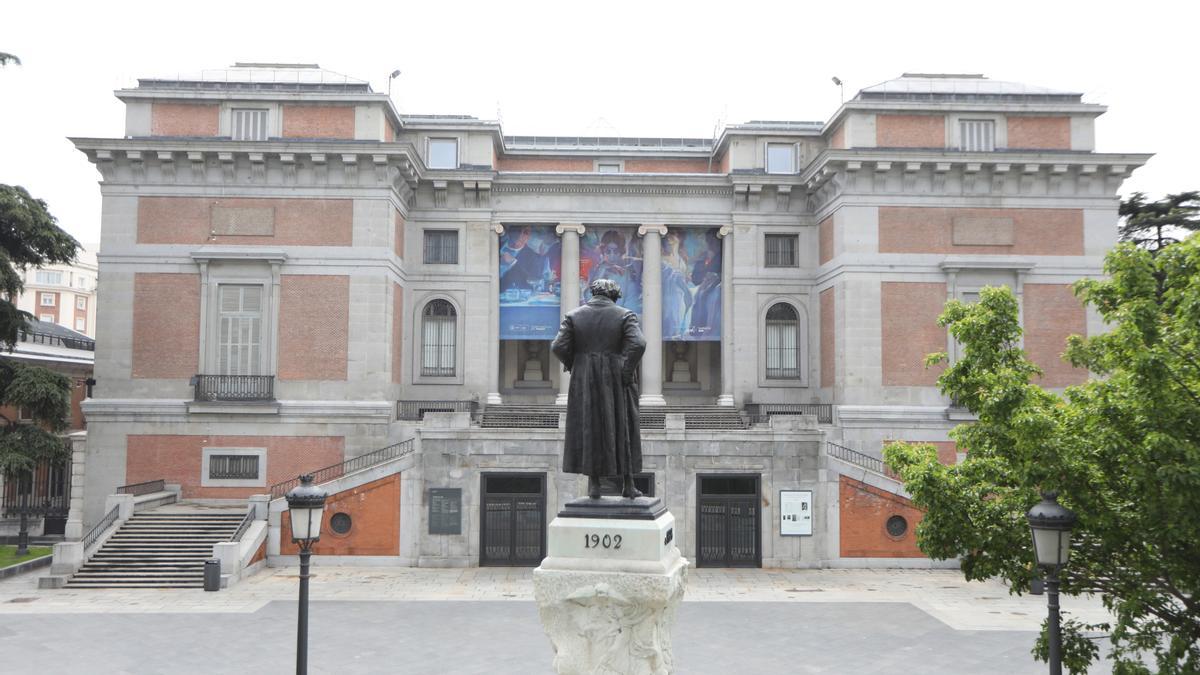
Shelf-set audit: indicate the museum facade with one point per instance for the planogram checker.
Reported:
(295, 275)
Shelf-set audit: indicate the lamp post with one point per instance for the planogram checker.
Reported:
(306, 503)
(1051, 526)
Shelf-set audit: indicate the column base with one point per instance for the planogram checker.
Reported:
(493, 398)
(725, 400)
(561, 399)
(652, 399)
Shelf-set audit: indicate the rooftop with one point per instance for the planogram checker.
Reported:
(261, 76)
(961, 87)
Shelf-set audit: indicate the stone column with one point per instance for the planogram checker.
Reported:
(493, 397)
(652, 380)
(726, 397)
(569, 296)
(74, 526)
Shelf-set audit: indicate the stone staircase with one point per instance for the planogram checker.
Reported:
(652, 417)
(162, 548)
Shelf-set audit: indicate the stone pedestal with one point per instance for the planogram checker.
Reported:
(608, 590)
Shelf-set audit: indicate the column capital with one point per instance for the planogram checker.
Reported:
(577, 228)
(725, 231)
(498, 228)
(643, 230)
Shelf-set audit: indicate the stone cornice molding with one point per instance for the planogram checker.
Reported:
(209, 254)
(643, 230)
(615, 189)
(577, 228)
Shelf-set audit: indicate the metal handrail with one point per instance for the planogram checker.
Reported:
(234, 387)
(244, 525)
(105, 522)
(143, 488)
(52, 340)
(394, 451)
(415, 410)
(857, 458)
(761, 413)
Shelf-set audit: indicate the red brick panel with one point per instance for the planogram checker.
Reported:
(78, 394)
(397, 331)
(374, 511)
(863, 514)
(909, 229)
(399, 244)
(48, 310)
(178, 459)
(723, 167)
(184, 119)
(825, 237)
(318, 121)
(1051, 313)
(314, 326)
(837, 140)
(910, 131)
(298, 222)
(1039, 133)
(827, 338)
(166, 325)
(909, 312)
(575, 164)
(666, 166)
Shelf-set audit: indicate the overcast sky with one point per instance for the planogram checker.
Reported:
(600, 68)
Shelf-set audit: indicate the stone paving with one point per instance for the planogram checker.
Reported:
(483, 620)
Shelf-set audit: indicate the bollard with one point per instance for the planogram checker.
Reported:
(212, 574)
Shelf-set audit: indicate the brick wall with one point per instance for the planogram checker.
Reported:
(825, 237)
(166, 325)
(666, 166)
(577, 164)
(910, 131)
(314, 326)
(179, 459)
(904, 229)
(299, 222)
(1051, 313)
(909, 312)
(863, 512)
(374, 510)
(837, 140)
(397, 332)
(1039, 133)
(828, 367)
(184, 119)
(49, 311)
(399, 243)
(318, 121)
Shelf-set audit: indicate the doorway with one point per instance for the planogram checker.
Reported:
(729, 515)
(512, 529)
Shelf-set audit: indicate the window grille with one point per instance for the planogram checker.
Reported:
(233, 467)
(249, 124)
(783, 342)
(781, 250)
(977, 135)
(781, 158)
(443, 153)
(49, 278)
(441, 247)
(439, 332)
(240, 326)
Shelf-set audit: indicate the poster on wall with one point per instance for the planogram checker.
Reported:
(612, 253)
(795, 513)
(530, 282)
(691, 284)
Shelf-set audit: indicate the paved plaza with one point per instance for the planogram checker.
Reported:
(483, 620)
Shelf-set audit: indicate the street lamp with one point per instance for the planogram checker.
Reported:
(1051, 525)
(306, 503)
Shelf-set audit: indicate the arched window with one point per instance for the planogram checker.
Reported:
(439, 331)
(783, 342)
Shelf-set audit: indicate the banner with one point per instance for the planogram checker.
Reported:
(612, 253)
(530, 282)
(691, 284)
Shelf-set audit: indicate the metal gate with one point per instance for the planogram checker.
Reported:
(728, 532)
(43, 492)
(513, 530)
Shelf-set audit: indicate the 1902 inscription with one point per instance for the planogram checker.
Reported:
(611, 541)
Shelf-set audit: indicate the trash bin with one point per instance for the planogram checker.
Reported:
(212, 574)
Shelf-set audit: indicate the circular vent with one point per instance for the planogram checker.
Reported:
(897, 526)
(340, 523)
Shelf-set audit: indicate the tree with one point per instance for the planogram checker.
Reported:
(1152, 225)
(1122, 451)
(29, 236)
(5, 59)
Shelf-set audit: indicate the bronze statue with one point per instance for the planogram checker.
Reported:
(600, 344)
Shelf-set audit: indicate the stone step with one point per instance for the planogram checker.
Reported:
(132, 585)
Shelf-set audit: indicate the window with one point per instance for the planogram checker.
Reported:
(783, 342)
(48, 299)
(441, 247)
(781, 158)
(49, 278)
(249, 124)
(977, 135)
(608, 167)
(46, 318)
(439, 331)
(80, 302)
(81, 282)
(781, 250)
(239, 339)
(233, 467)
(443, 153)
(80, 324)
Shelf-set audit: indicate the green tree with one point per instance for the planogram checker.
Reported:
(5, 59)
(1122, 451)
(1152, 225)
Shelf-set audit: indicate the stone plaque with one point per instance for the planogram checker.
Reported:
(445, 510)
(243, 221)
(983, 231)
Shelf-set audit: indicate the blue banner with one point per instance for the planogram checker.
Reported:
(691, 284)
(530, 282)
(612, 253)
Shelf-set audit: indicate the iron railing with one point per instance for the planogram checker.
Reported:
(143, 488)
(415, 410)
(43, 491)
(58, 340)
(105, 522)
(244, 525)
(760, 413)
(394, 451)
(234, 387)
(857, 458)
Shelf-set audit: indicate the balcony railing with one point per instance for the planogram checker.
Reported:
(52, 340)
(234, 387)
(415, 410)
(760, 413)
